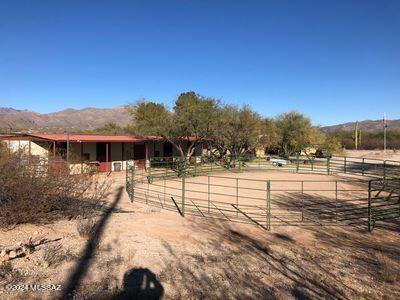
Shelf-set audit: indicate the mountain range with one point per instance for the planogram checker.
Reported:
(91, 118)
(73, 119)
(367, 125)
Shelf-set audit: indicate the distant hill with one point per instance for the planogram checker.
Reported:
(73, 119)
(367, 125)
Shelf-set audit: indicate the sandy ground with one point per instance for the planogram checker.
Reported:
(293, 198)
(197, 257)
(378, 154)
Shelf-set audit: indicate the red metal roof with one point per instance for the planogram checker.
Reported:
(88, 138)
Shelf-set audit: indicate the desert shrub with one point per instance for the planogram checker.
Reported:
(8, 273)
(3, 148)
(5, 269)
(86, 227)
(54, 254)
(41, 192)
(387, 272)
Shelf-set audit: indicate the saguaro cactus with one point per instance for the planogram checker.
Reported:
(357, 136)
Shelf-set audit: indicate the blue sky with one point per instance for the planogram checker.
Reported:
(334, 60)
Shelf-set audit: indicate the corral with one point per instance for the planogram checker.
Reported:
(306, 192)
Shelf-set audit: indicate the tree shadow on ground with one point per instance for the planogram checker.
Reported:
(235, 263)
(318, 210)
(82, 267)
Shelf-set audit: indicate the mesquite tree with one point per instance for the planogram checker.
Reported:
(295, 133)
(190, 122)
(236, 133)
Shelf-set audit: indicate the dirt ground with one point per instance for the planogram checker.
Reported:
(378, 154)
(197, 257)
(289, 198)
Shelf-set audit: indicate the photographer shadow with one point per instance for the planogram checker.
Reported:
(141, 283)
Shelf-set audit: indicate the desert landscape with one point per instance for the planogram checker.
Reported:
(196, 257)
(200, 150)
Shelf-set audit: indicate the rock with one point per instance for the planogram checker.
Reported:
(3, 253)
(5, 258)
(12, 254)
(46, 264)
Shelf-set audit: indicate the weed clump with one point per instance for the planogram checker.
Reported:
(86, 227)
(55, 254)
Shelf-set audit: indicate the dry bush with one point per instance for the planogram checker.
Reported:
(43, 191)
(387, 271)
(8, 273)
(86, 227)
(54, 254)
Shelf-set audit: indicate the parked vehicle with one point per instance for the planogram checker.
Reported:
(277, 162)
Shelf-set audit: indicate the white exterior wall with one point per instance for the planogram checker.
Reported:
(23, 145)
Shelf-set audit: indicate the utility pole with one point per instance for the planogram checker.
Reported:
(384, 132)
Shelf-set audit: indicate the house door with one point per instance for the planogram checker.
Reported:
(139, 155)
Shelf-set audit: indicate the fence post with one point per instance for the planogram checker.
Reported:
(328, 165)
(345, 164)
(237, 196)
(268, 206)
(384, 169)
(164, 189)
(362, 167)
(183, 195)
(336, 202)
(147, 193)
(302, 201)
(369, 207)
(209, 199)
(133, 181)
(149, 175)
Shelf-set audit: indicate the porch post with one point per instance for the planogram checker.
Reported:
(122, 164)
(107, 167)
(54, 148)
(81, 157)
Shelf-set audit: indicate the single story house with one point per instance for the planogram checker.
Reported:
(104, 152)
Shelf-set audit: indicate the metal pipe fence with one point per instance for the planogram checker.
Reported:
(374, 168)
(383, 201)
(267, 202)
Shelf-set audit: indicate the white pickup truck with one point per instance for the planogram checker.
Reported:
(278, 162)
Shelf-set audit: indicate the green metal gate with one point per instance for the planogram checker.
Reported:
(383, 201)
